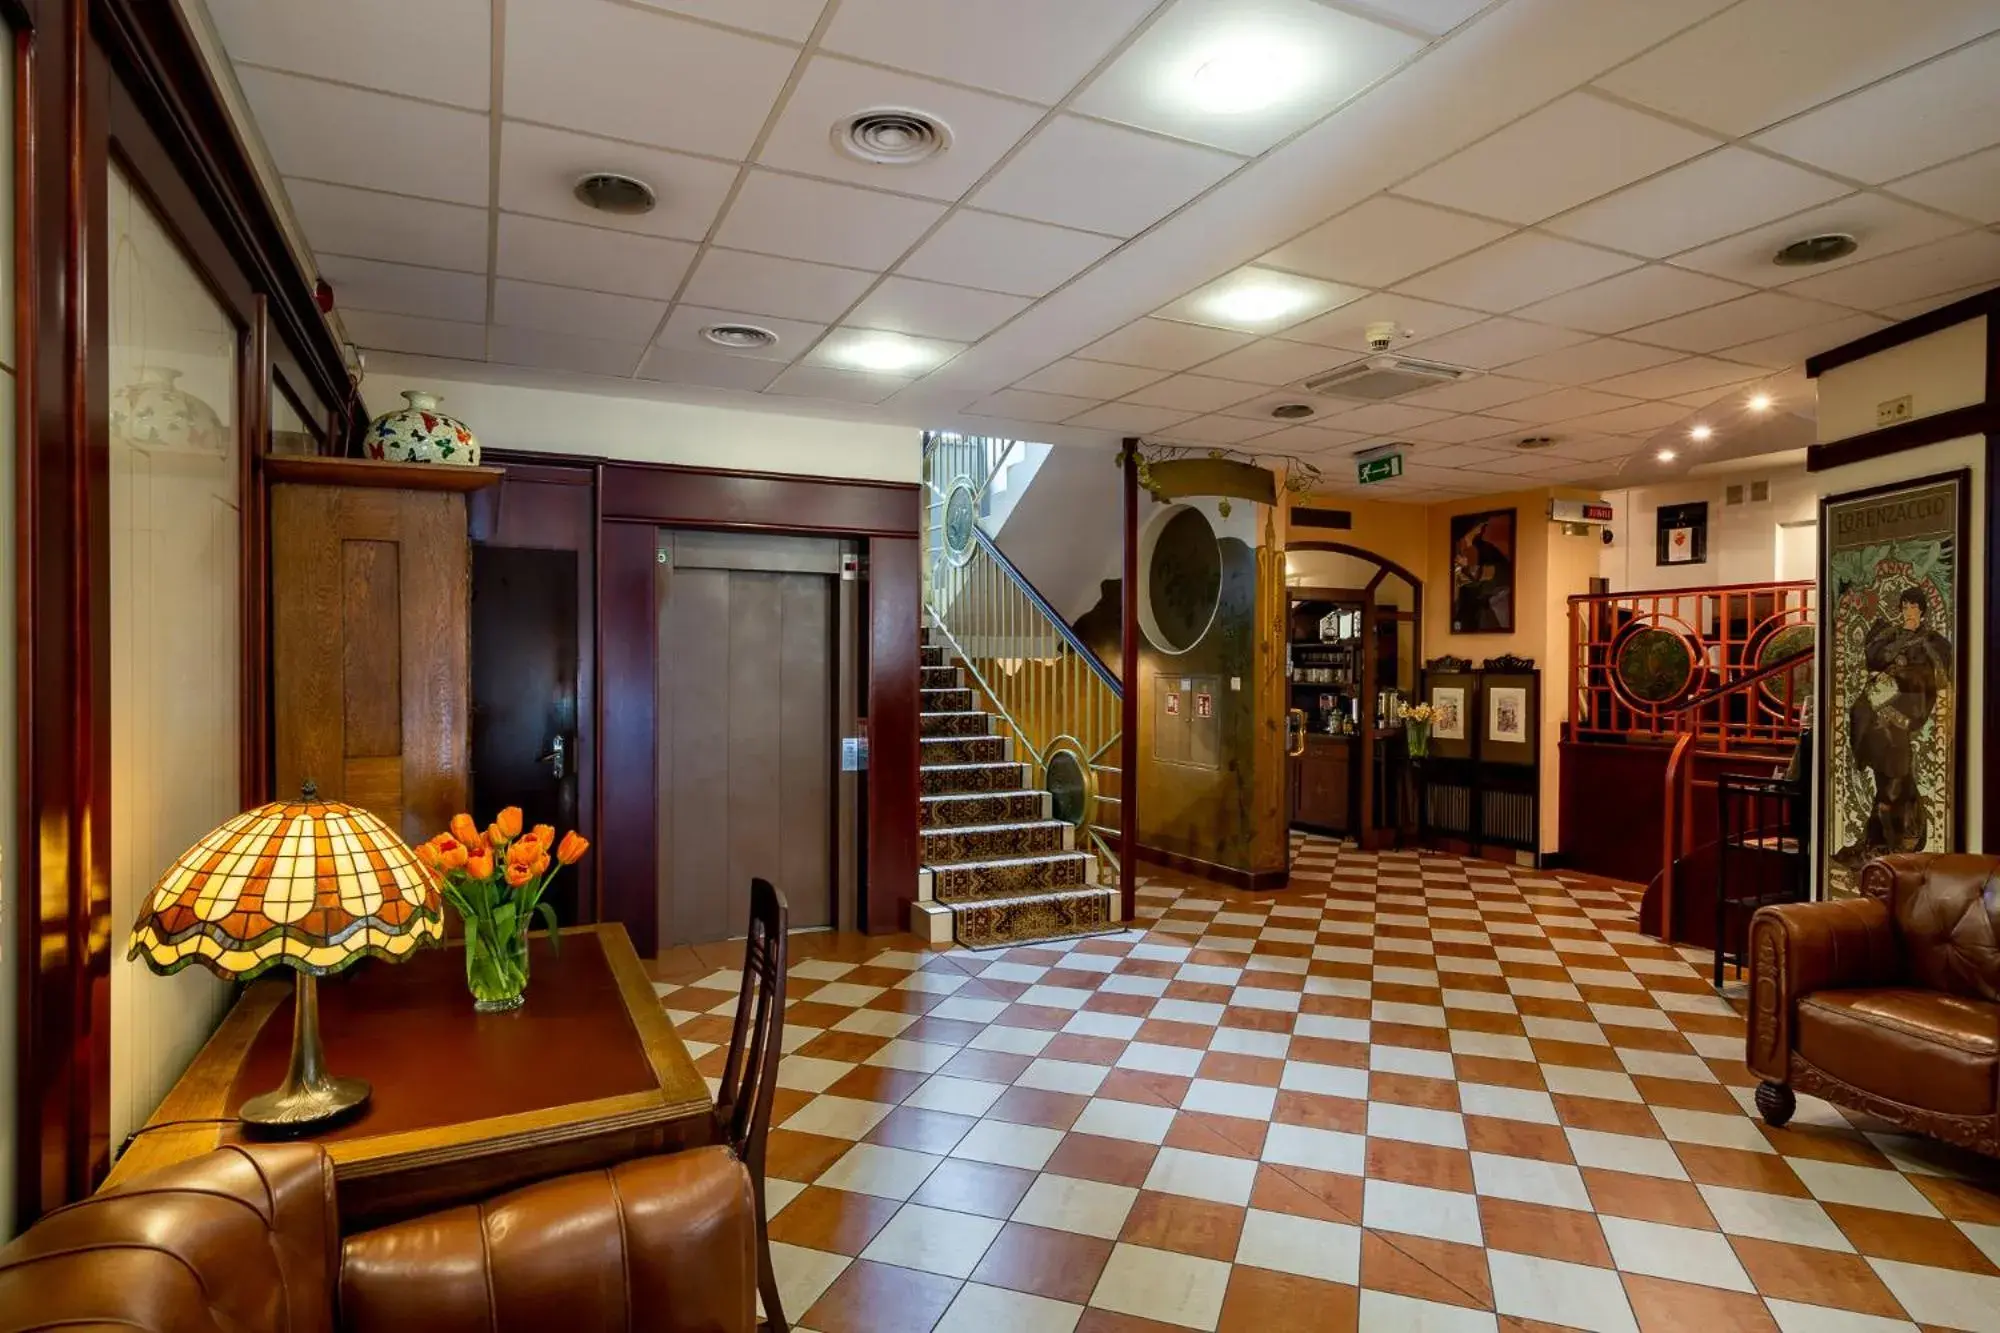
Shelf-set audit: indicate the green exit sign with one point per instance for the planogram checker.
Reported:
(1380, 469)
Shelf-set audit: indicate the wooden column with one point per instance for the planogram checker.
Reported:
(1128, 673)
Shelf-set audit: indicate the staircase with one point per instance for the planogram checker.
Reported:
(997, 870)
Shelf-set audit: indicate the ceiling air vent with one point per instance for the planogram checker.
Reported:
(891, 136)
(1383, 377)
(740, 337)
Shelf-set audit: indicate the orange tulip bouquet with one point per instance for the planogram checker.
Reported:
(496, 877)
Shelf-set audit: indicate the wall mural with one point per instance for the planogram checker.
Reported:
(1892, 601)
(1482, 572)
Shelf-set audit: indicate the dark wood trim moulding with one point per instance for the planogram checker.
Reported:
(1919, 326)
(1250, 881)
(1990, 779)
(1974, 419)
(1128, 705)
(759, 501)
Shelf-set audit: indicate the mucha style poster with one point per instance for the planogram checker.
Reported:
(1892, 612)
(1482, 573)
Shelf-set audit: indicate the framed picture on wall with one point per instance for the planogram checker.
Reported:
(1682, 534)
(1483, 548)
(1448, 703)
(1507, 708)
(1892, 673)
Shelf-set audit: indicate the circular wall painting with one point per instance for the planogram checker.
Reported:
(1787, 641)
(961, 519)
(1184, 580)
(1655, 665)
(1069, 788)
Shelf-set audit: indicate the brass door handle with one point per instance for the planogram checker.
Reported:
(1295, 726)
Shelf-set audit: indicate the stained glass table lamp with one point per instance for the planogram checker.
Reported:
(311, 885)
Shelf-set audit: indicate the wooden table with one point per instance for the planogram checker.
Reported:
(589, 1072)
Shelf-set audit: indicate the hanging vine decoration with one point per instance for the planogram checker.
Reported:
(1300, 477)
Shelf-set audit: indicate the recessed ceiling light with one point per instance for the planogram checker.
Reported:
(1665, 455)
(1760, 402)
(891, 136)
(615, 192)
(1534, 441)
(883, 353)
(1700, 433)
(1823, 249)
(740, 337)
(1245, 75)
(1256, 302)
(1292, 411)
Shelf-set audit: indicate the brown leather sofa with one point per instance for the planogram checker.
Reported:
(246, 1238)
(1888, 1002)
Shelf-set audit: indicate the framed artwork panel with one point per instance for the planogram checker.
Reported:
(1482, 554)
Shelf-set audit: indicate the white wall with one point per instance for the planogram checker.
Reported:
(1066, 531)
(1743, 540)
(651, 430)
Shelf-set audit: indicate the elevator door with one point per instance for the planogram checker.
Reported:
(747, 725)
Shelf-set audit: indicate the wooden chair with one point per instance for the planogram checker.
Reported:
(750, 1078)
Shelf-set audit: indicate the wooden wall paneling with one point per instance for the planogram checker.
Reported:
(627, 812)
(691, 497)
(895, 678)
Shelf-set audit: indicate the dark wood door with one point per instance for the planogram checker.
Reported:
(524, 697)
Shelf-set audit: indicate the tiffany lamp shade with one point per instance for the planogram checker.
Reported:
(308, 884)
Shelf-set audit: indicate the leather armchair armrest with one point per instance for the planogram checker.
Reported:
(1799, 948)
(661, 1244)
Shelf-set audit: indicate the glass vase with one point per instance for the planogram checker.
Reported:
(496, 968)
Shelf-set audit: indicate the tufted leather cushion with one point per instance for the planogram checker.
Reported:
(1947, 914)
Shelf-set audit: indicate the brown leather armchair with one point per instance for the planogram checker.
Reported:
(247, 1238)
(1888, 1002)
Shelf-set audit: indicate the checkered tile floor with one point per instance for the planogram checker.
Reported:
(1403, 1094)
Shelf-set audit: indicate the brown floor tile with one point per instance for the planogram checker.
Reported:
(1620, 1194)
(1165, 1032)
(852, 1047)
(1143, 1087)
(1322, 1195)
(1686, 1094)
(1549, 1233)
(1429, 1270)
(1434, 1094)
(871, 1083)
(1516, 1138)
(1682, 1307)
(1409, 1036)
(1420, 1164)
(974, 1187)
(991, 1066)
(1113, 1161)
(1036, 1017)
(1814, 1277)
(1117, 1002)
(1499, 1073)
(1330, 1051)
(1577, 1055)
(1961, 1200)
(1228, 1067)
(1109, 1321)
(1201, 992)
(838, 1221)
(1880, 1234)
(1739, 1169)
(1038, 1106)
(1223, 1135)
(1825, 1145)
(1261, 1301)
(943, 1031)
(1317, 1111)
(1606, 1117)
(1184, 1225)
(1083, 1050)
(792, 1155)
(877, 1298)
(1060, 1265)
(1261, 1020)
(919, 1130)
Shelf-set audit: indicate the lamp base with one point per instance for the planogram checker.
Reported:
(309, 1098)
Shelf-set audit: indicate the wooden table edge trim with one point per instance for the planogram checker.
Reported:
(201, 1095)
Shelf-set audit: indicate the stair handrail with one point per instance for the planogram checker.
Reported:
(1742, 683)
(1056, 622)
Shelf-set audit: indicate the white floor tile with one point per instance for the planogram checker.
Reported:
(957, 1096)
(1382, 1312)
(1774, 1217)
(1088, 1207)
(805, 1073)
(1489, 1099)
(1319, 1149)
(1837, 1182)
(1154, 1284)
(1090, 1023)
(966, 1010)
(1711, 1128)
(1493, 1045)
(1003, 1144)
(1012, 1040)
(1330, 1026)
(886, 1173)
(920, 1057)
(933, 1240)
(1056, 997)
(1606, 1084)
(1329, 1251)
(1565, 1029)
(1237, 1099)
(1793, 1317)
(1405, 1060)
(837, 1117)
(778, 1193)
(1967, 1301)
(1625, 1152)
(1680, 1254)
(1200, 1175)
(875, 1022)
(1062, 1076)
(983, 1309)
(1258, 997)
(1188, 1011)
(1557, 1184)
(1417, 1210)
(1663, 1064)
(1152, 1058)
(1125, 1120)
(1553, 1292)
(1416, 1124)
(804, 1275)
(1250, 1041)
(845, 994)
(1327, 1080)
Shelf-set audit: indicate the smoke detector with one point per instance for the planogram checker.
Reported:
(1822, 249)
(615, 192)
(1292, 411)
(891, 136)
(740, 337)
(1381, 335)
(1379, 378)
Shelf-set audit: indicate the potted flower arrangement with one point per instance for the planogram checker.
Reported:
(496, 878)
(1417, 719)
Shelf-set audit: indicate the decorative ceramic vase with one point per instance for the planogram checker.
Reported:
(155, 413)
(420, 433)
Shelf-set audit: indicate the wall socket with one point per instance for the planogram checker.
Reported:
(1890, 411)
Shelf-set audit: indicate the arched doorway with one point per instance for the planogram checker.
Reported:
(1353, 636)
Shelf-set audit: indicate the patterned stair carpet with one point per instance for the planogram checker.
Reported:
(997, 870)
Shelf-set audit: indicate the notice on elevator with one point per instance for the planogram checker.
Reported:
(1204, 705)
(1173, 705)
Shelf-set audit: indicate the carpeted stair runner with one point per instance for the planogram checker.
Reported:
(997, 870)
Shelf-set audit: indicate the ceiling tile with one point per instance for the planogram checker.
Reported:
(1641, 296)
(1969, 187)
(1382, 241)
(1524, 268)
(1271, 361)
(983, 128)
(1516, 464)
(562, 351)
(1387, 418)
(1078, 173)
(370, 45)
(403, 289)
(1713, 196)
(1579, 443)
(1587, 362)
(1881, 225)
(539, 168)
(1945, 109)
(765, 285)
(1220, 430)
(1005, 254)
(1493, 343)
(1461, 429)
(1464, 455)
(818, 220)
(844, 386)
(1325, 410)
(326, 132)
(1478, 394)
(1638, 419)
(567, 255)
(1308, 441)
(1759, 315)
(838, 352)
(1548, 408)
(381, 332)
(1571, 151)
(935, 310)
(1961, 261)
(708, 370)
(1195, 393)
(1129, 418)
(1312, 59)
(1222, 304)
(1163, 344)
(1791, 349)
(531, 305)
(1023, 405)
(341, 220)
(682, 332)
(1764, 60)
(1037, 49)
(1431, 16)
(1925, 304)
(1689, 376)
(1347, 327)
(1089, 379)
(651, 78)
(792, 20)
